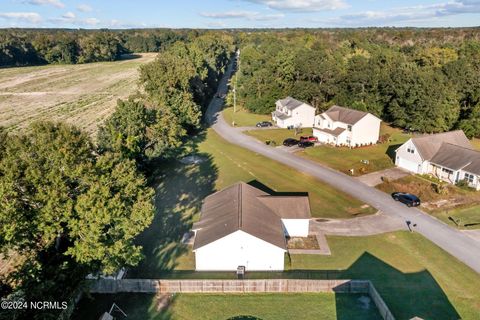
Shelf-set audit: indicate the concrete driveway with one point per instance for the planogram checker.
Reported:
(458, 244)
(375, 178)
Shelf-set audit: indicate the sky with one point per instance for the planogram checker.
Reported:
(237, 13)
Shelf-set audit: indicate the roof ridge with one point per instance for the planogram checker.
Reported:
(240, 187)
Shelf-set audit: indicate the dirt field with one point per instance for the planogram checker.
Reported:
(83, 95)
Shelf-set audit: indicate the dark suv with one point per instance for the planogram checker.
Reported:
(407, 198)
(290, 142)
(305, 144)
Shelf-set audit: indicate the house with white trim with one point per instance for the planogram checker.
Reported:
(292, 113)
(347, 127)
(448, 156)
(242, 226)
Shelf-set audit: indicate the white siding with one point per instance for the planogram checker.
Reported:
(410, 161)
(366, 130)
(239, 249)
(296, 227)
(303, 116)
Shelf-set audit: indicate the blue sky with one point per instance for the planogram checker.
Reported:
(237, 13)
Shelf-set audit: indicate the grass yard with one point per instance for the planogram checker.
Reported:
(243, 118)
(234, 164)
(83, 94)
(459, 203)
(462, 218)
(326, 306)
(343, 159)
(278, 135)
(414, 276)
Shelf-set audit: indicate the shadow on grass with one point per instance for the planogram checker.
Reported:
(137, 306)
(391, 151)
(179, 192)
(257, 184)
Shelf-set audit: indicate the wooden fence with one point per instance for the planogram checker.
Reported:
(242, 286)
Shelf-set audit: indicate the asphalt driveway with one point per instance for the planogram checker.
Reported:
(458, 244)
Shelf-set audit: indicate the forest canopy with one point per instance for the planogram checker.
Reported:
(421, 80)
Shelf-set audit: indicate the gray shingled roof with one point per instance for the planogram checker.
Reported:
(246, 208)
(280, 115)
(456, 157)
(428, 145)
(345, 115)
(290, 103)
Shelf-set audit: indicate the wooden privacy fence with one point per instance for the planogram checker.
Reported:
(242, 286)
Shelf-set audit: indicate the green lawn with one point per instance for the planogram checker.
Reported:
(243, 118)
(414, 277)
(464, 218)
(233, 163)
(278, 135)
(343, 159)
(325, 306)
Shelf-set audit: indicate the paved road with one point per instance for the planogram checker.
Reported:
(453, 241)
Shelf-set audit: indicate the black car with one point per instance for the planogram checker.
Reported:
(407, 198)
(305, 144)
(264, 124)
(290, 142)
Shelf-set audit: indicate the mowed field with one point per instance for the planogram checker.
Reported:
(83, 94)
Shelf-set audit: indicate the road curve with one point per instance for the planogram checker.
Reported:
(451, 240)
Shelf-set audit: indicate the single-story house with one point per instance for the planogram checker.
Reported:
(448, 156)
(244, 226)
(290, 112)
(346, 127)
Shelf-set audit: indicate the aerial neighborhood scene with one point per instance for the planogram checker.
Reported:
(239, 160)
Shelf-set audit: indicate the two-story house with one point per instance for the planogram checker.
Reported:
(292, 113)
(448, 156)
(347, 127)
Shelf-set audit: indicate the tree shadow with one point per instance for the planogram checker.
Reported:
(179, 191)
(137, 306)
(391, 151)
(257, 184)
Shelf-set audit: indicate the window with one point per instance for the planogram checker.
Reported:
(348, 141)
(349, 128)
(448, 171)
(410, 150)
(469, 177)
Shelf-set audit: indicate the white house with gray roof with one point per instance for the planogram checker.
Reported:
(244, 226)
(290, 112)
(347, 127)
(448, 156)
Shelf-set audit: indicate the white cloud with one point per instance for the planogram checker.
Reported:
(69, 15)
(84, 8)
(29, 17)
(249, 15)
(302, 5)
(91, 21)
(55, 3)
(409, 14)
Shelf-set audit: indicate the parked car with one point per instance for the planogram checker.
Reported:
(305, 144)
(290, 142)
(309, 138)
(264, 124)
(407, 198)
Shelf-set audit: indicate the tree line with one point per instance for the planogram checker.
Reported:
(22, 47)
(427, 81)
(69, 205)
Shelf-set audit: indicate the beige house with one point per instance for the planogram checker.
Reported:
(292, 113)
(448, 156)
(347, 127)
